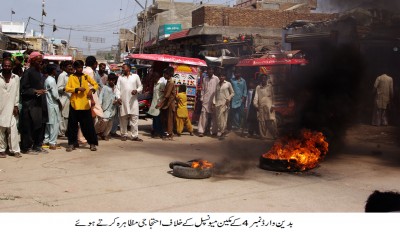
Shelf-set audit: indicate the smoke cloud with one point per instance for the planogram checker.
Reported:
(342, 5)
(328, 92)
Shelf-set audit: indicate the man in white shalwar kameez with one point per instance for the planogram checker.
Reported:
(128, 88)
(208, 89)
(9, 95)
(64, 96)
(222, 99)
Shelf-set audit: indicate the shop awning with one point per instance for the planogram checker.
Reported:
(14, 51)
(270, 61)
(179, 35)
(57, 57)
(169, 59)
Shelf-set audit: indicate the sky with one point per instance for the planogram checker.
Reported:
(93, 18)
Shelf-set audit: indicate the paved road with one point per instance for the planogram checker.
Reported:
(135, 177)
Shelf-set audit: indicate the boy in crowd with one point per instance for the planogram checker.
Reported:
(182, 115)
(80, 112)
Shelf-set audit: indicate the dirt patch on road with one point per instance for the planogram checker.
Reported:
(386, 135)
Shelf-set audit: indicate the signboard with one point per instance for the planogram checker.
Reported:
(12, 27)
(164, 31)
(187, 75)
(270, 61)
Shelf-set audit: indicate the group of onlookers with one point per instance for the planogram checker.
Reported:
(44, 101)
(81, 101)
(231, 105)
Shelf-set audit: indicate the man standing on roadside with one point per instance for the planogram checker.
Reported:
(62, 81)
(167, 103)
(222, 100)
(53, 107)
(209, 86)
(237, 110)
(128, 88)
(9, 93)
(33, 116)
(103, 74)
(263, 101)
(383, 89)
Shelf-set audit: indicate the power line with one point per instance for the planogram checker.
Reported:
(92, 28)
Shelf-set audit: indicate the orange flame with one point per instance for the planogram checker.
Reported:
(307, 150)
(202, 164)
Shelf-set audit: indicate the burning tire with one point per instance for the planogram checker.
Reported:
(192, 173)
(193, 169)
(277, 165)
(296, 152)
(178, 163)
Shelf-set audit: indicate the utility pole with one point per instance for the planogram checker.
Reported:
(144, 26)
(69, 37)
(26, 26)
(52, 39)
(89, 40)
(141, 33)
(41, 23)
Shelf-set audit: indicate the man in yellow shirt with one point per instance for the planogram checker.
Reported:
(80, 109)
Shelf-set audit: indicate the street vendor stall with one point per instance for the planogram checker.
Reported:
(186, 72)
(282, 68)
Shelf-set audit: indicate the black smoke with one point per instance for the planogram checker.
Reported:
(343, 5)
(327, 93)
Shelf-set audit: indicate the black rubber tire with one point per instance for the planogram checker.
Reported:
(192, 173)
(278, 165)
(179, 163)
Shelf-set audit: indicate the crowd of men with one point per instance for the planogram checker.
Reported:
(47, 101)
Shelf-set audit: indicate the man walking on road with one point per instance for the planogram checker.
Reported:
(9, 93)
(128, 88)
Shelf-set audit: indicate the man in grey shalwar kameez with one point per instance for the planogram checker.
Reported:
(383, 89)
(263, 101)
(53, 125)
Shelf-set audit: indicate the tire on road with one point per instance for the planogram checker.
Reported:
(192, 173)
(179, 163)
